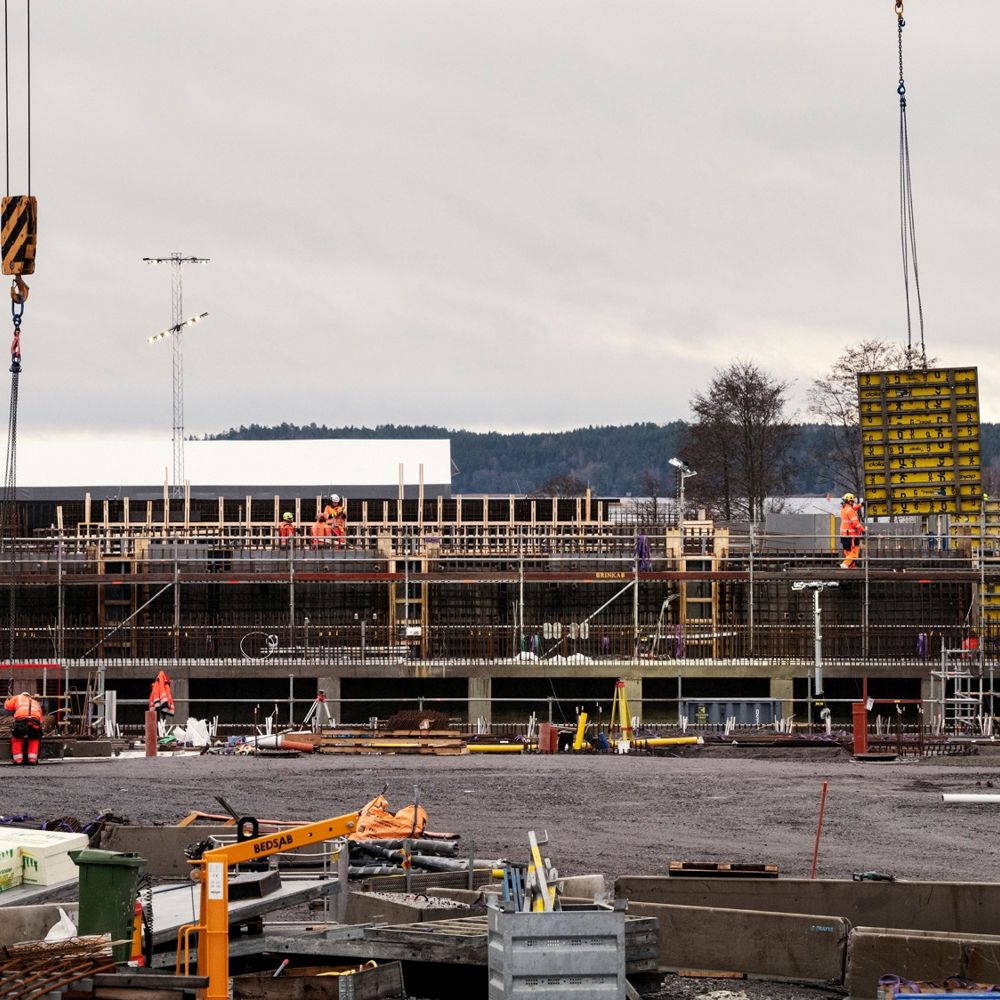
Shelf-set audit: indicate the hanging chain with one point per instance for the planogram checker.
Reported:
(10, 525)
(907, 229)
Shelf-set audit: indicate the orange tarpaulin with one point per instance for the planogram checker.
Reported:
(376, 822)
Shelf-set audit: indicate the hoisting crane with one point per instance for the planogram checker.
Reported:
(18, 226)
(211, 871)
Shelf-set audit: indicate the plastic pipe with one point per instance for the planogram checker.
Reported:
(969, 797)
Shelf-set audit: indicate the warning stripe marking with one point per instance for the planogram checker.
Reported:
(18, 216)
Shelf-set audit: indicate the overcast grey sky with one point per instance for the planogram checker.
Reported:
(528, 214)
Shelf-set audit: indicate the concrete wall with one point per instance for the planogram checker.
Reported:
(873, 952)
(778, 945)
(32, 923)
(161, 846)
(966, 907)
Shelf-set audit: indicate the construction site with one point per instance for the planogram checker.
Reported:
(298, 720)
(493, 609)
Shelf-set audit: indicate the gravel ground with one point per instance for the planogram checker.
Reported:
(610, 814)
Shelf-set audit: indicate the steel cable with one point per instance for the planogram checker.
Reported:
(907, 227)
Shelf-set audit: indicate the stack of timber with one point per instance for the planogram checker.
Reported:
(439, 742)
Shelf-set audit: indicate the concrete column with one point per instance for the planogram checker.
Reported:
(782, 689)
(480, 699)
(330, 686)
(925, 693)
(180, 688)
(633, 693)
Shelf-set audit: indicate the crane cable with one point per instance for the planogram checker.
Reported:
(19, 237)
(907, 230)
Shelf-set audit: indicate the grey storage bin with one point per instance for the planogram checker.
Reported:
(559, 955)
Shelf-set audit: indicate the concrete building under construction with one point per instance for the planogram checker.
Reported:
(490, 607)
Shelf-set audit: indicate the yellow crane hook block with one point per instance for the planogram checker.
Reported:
(19, 215)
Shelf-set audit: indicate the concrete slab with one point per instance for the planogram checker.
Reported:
(779, 945)
(966, 907)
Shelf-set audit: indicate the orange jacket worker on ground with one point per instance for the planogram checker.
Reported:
(851, 529)
(27, 727)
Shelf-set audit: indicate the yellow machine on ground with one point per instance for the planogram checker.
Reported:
(212, 871)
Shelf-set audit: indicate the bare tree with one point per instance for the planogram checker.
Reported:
(834, 399)
(739, 441)
(564, 485)
(649, 510)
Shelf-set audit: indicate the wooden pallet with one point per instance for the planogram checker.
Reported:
(721, 869)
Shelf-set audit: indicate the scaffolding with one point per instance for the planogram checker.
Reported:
(957, 689)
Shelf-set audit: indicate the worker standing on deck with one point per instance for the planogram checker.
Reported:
(27, 727)
(336, 516)
(320, 532)
(287, 529)
(851, 529)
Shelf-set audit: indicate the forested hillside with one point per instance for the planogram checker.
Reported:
(613, 461)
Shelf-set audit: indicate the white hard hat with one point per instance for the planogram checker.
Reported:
(335, 499)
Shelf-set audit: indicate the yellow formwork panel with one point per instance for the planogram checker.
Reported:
(920, 441)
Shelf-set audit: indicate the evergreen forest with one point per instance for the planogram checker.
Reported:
(613, 461)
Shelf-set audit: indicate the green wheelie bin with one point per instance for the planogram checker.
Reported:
(108, 888)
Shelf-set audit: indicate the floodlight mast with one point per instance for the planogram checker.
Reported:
(684, 472)
(176, 260)
(817, 587)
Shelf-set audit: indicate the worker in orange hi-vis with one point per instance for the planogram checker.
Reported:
(287, 529)
(320, 532)
(27, 727)
(851, 529)
(336, 516)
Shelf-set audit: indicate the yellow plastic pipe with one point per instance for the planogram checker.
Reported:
(581, 725)
(665, 741)
(496, 748)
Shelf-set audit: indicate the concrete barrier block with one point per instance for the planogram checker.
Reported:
(965, 907)
(583, 886)
(399, 908)
(873, 952)
(781, 945)
(31, 923)
(161, 846)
